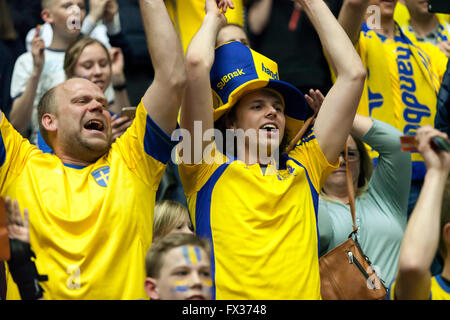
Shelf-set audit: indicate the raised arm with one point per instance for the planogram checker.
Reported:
(22, 107)
(421, 237)
(163, 98)
(352, 16)
(258, 15)
(338, 110)
(197, 101)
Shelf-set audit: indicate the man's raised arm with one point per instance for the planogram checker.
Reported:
(163, 98)
(197, 102)
(335, 118)
(352, 16)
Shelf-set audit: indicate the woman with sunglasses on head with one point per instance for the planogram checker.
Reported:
(381, 197)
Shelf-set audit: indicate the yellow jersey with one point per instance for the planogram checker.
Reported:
(403, 81)
(90, 227)
(262, 227)
(439, 290)
(187, 16)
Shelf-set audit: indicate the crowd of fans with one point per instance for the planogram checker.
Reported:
(102, 202)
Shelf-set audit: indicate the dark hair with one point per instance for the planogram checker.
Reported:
(47, 104)
(226, 121)
(155, 256)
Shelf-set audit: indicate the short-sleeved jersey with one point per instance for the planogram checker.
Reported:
(187, 16)
(90, 227)
(262, 227)
(403, 81)
(52, 75)
(439, 290)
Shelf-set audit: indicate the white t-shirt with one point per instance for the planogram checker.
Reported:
(52, 75)
(98, 31)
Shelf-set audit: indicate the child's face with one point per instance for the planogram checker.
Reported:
(66, 16)
(185, 275)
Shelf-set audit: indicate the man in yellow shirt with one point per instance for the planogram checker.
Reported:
(92, 201)
(424, 26)
(403, 77)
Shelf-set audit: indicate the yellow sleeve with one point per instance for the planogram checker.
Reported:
(194, 176)
(145, 148)
(308, 154)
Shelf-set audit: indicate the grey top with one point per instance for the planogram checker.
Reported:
(380, 211)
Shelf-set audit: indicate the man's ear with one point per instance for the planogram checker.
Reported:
(49, 122)
(150, 285)
(46, 16)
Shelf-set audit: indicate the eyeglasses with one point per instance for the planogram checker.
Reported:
(353, 155)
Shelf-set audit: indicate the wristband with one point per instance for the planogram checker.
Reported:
(23, 270)
(119, 87)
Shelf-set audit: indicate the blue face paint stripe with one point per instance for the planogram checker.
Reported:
(203, 217)
(197, 254)
(185, 252)
(181, 288)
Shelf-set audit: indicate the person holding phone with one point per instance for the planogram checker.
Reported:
(428, 229)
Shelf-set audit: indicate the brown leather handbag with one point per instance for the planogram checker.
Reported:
(346, 273)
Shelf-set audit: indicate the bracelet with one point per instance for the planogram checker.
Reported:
(120, 87)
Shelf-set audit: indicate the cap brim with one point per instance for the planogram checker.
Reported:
(296, 106)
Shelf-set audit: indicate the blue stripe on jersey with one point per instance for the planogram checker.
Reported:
(315, 198)
(442, 284)
(2, 150)
(203, 215)
(157, 143)
(74, 166)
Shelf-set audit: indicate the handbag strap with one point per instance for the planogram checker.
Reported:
(350, 190)
(300, 133)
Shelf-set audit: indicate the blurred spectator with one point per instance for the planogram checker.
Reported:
(280, 30)
(428, 229)
(401, 14)
(442, 120)
(38, 71)
(403, 78)
(424, 26)
(178, 268)
(170, 217)
(11, 47)
(381, 198)
(101, 22)
(21, 265)
(187, 15)
(232, 32)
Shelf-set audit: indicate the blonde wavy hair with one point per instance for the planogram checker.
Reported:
(168, 216)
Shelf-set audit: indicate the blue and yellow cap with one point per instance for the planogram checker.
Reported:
(237, 69)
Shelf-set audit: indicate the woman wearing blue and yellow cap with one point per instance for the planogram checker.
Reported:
(259, 209)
